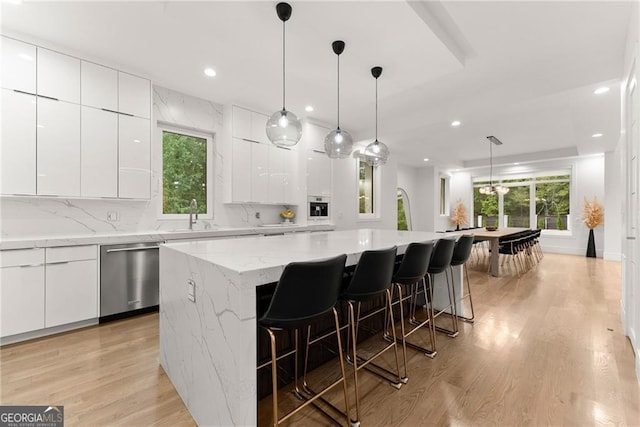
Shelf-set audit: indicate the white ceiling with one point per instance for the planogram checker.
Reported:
(522, 71)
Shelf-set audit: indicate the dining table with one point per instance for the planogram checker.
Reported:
(493, 236)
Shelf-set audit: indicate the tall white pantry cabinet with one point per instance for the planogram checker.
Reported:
(71, 127)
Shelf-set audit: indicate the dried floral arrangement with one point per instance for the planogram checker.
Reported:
(592, 213)
(459, 215)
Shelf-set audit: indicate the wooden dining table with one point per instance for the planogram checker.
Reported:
(494, 238)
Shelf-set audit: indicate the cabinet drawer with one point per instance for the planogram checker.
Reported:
(22, 257)
(71, 253)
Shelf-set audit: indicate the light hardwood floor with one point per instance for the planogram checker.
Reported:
(546, 349)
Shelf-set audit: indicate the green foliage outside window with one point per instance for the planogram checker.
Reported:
(184, 173)
(402, 217)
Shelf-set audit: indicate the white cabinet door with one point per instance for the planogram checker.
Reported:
(241, 123)
(58, 76)
(259, 173)
(22, 291)
(18, 144)
(99, 86)
(134, 158)
(71, 289)
(58, 136)
(259, 127)
(241, 170)
(276, 174)
(18, 65)
(318, 174)
(314, 136)
(289, 176)
(99, 153)
(134, 95)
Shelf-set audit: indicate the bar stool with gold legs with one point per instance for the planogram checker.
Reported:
(305, 292)
(370, 280)
(461, 254)
(411, 272)
(440, 263)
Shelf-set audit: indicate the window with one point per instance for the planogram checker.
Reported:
(540, 201)
(186, 172)
(365, 188)
(443, 196)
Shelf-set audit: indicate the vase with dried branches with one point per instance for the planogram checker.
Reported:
(459, 215)
(592, 216)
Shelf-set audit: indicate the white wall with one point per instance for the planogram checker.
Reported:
(613, 195)
(423, 207)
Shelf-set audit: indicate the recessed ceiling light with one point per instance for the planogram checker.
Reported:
(426, 159)
(455, 123)
(596, 135)
(210, 72)
(601, 90)
(516, 163)
(308, 108)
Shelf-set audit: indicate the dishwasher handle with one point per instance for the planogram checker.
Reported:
(142, 248)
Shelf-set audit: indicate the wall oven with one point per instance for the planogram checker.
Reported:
(318, 207)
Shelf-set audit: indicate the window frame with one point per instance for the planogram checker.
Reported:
(210, 138)
(531, 180)
(375, 193)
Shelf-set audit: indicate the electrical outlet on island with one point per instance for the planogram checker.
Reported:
(113, 216)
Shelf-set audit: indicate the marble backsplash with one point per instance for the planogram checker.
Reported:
(23, 216)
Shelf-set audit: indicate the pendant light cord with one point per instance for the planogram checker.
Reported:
(376, 109)
(338, 91)
(283, 66)
(491, 164)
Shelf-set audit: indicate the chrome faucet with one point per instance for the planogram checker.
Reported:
(193, 209)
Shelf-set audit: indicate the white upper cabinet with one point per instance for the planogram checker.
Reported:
(314, 136)
(241, 123)
(58, 154)
(260, 173)
(99, 153)
(18, 147)
(18, 65)
(259, 127)
(134, 95)
(58, 76)
(134, 158)
(249, 125)
(99, 86)
(240, 167)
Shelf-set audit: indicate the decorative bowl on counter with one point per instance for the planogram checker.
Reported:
(288, 215)
(491, 227)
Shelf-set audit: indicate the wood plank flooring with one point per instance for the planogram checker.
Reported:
(546, 349)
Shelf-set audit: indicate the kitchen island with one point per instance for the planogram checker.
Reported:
(208, 310)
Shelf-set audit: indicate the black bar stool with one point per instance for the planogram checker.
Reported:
(440, 263)
(412, 271)
(371, 279)
(461, 254)
(305, 292)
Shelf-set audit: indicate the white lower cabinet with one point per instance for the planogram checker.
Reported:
(44, 288)
(71, 285)
(22, 291)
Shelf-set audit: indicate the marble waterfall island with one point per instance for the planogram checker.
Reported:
(208, 339)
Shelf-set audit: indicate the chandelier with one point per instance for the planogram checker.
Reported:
(492, 189)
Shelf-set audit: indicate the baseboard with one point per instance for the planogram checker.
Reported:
(612, 256)
(568, 251)
(46, 331)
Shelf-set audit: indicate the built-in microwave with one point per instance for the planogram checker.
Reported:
(318, 207)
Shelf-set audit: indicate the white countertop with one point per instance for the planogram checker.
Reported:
(254, 253)
(152, 236)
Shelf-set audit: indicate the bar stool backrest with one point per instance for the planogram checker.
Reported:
(305, 291)
(441, 257)
(462, 250)
(415, 263)
(372, 275)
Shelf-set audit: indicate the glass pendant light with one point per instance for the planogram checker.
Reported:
(338, 143)
(284, 127)
(491, 189)
(377, 152)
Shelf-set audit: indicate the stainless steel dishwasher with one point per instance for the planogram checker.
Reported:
(128, 279)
